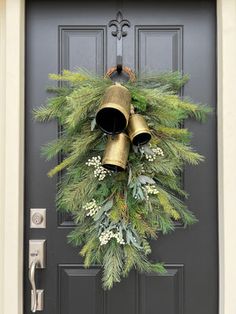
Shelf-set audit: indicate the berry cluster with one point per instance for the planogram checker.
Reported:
(99, 171)
(92, 208)
(156, 151)
(150, 189)
(107, 235)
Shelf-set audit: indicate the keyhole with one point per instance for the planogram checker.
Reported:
(37, 218)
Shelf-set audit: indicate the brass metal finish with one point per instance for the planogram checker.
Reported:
(138, 130)
(113, 114)
(116, 152)
(38, 218)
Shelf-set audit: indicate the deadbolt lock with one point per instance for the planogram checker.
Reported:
(38, 218)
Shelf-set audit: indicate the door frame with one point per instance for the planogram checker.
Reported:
(12, 42)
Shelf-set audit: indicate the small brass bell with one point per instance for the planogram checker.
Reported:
(116, 152)
(113, 114)
(138, 130)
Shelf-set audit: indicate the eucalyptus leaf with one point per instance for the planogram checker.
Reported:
(132, 239)
(105, 208)
(134, 190)
(138, 246)
(140, 193)
(111, 225)
(128, 236)
(130, 176)
(98, 215)
(145, 180)
(108, 205)
(93, 124)
(147, 149)
(135, 149)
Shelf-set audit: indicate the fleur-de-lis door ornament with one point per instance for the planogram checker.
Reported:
(119, 33)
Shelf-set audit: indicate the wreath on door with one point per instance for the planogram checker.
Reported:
(124, 149)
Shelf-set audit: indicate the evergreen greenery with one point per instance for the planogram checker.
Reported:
(117, 215)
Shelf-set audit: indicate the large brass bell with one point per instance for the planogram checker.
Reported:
(138, 130)
(113, 114)
(116, 152)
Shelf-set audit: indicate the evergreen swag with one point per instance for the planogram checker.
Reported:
(118, 213)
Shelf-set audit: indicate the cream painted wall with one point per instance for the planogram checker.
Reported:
(11, 153)
(2, 138)
(227, 152)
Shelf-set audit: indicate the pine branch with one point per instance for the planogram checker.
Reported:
(184, 152)
(172, 81)
(112, 265)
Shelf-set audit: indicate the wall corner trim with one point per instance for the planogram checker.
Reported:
(11, 155)
(226, 34)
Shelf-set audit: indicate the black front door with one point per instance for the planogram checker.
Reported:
(164, 35)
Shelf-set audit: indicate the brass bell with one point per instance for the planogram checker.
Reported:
(116, 152)
(113, 114)
(138, 130)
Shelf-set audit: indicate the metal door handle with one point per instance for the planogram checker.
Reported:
(37, 252)
(33, 285)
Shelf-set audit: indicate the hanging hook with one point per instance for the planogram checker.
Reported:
(119, 64)
(125, 69)
(119, 33)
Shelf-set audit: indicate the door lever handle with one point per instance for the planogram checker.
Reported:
(37, 253)
(33, 285)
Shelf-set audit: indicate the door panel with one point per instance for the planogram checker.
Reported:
(164, 35)
(158, 48)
